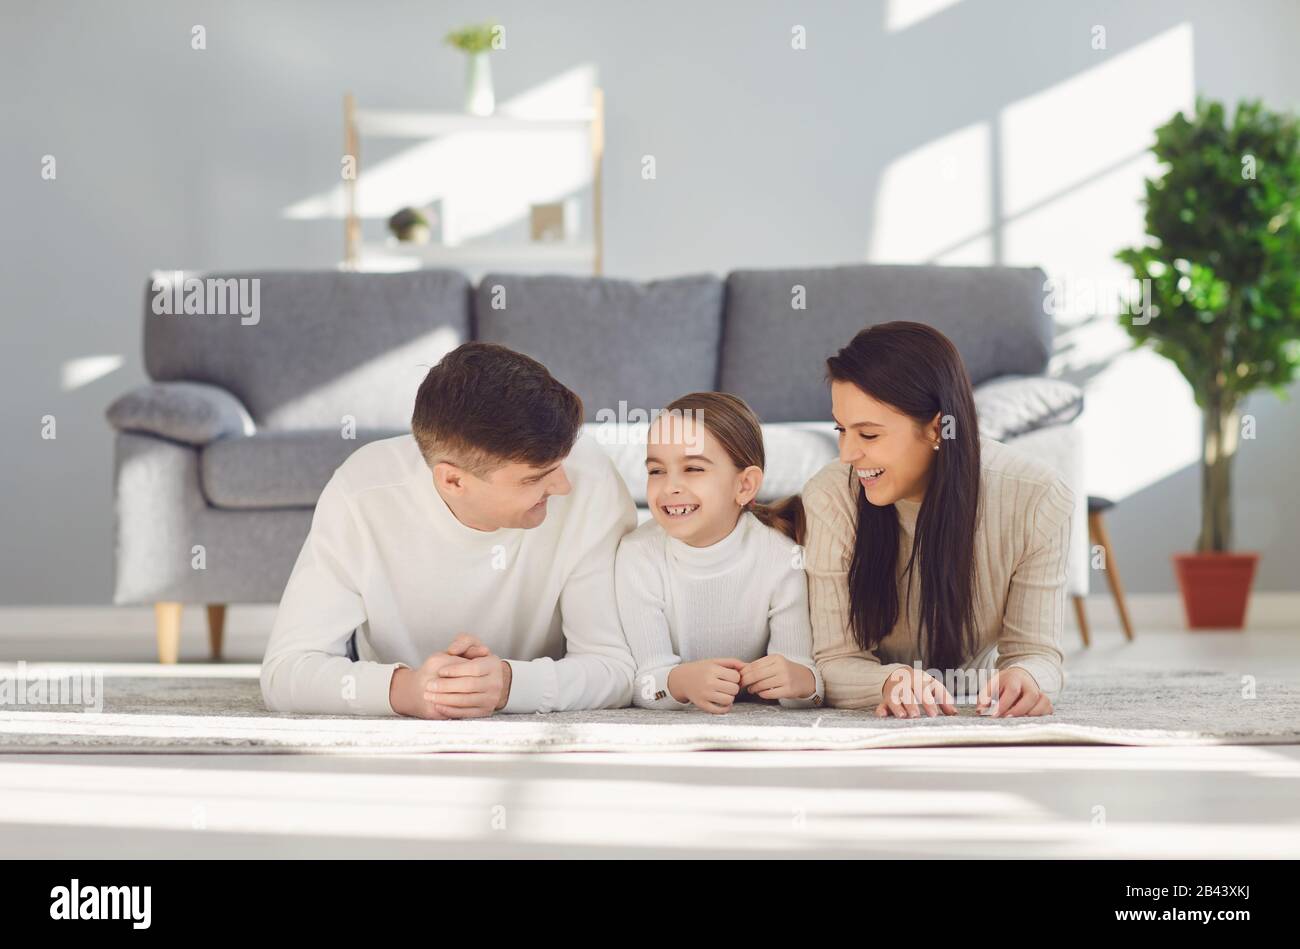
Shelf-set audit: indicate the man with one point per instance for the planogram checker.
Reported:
(488, 532)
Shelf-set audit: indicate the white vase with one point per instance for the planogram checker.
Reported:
(479, 99)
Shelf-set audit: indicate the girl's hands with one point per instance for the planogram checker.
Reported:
(907, 691)
(709, 684)
(776, 677)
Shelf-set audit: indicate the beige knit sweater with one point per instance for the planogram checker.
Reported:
(1021, 539)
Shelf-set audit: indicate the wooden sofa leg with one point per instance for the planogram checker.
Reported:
(1082, 616)
(216, 627)
(167, 621)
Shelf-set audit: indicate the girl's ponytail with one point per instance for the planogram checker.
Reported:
(785, 515)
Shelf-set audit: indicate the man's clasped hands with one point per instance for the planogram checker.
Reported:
(466, 681)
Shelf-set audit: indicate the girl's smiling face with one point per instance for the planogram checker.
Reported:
(694, 490)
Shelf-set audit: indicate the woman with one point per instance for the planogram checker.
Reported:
(928, 548)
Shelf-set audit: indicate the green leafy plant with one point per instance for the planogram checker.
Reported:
(407, 224)
(473, 39)
(1223, 267)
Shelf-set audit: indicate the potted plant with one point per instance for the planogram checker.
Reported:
(477, 42)
(410, 226)
(1222, 270)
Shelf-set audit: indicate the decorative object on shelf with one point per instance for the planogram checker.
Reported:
(473, 256)
(1223, 270)
(410, 226)
(553, 221)
(476, 42)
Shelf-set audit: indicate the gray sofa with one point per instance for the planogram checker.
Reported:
(220, 459)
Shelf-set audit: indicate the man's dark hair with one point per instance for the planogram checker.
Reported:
(483, 406)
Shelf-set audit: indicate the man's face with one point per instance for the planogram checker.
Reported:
(512, 495)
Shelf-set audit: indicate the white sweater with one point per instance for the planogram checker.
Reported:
(387, 557)
(744, 597)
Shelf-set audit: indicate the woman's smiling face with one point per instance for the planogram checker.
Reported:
(890, 453)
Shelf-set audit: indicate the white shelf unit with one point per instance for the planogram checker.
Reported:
(399, 124)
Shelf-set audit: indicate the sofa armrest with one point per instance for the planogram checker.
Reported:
(1011, 406)
(1061, 447)
(191, 412)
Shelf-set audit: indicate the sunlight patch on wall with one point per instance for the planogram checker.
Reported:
(1074, 158)
(935, 202)
(484, 180)
(84, 370)
(901, 14)
(1140, 423)
(1074, 237)
(1069, 132)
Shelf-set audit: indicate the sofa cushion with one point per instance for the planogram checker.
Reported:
(277, 469)
(795, 452)
(611, 341)
(774, 355)
(290, 469)
(188, 412)
(1016, 405)
(323, 344)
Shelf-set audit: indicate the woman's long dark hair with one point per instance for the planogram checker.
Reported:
(918, 371)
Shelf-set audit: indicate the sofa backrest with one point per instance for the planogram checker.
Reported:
(611, 341)
(328, 344)
(323, 344)
(774, 354)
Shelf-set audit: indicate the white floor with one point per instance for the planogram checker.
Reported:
(966, 802)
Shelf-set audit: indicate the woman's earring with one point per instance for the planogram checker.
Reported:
(936, 446)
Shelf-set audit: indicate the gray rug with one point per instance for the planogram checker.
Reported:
(216, 713)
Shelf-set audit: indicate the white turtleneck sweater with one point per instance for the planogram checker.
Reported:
(388, 558)
(743, 598)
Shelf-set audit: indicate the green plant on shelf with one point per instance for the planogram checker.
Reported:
(410, 225)
(480, 38)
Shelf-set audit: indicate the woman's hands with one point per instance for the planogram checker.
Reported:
(1010, 693)
(1016, 693)
(909, 691)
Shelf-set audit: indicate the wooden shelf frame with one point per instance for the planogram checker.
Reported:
(378, 123)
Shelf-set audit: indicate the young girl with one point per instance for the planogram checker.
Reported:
(711, 592)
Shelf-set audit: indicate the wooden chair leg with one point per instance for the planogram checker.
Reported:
(1097, 528)
(216, 628)
(1080, 613)
(167, 622)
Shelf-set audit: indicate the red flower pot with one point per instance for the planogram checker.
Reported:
(1216, 588)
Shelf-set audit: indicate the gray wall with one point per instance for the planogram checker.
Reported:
(174, 158)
